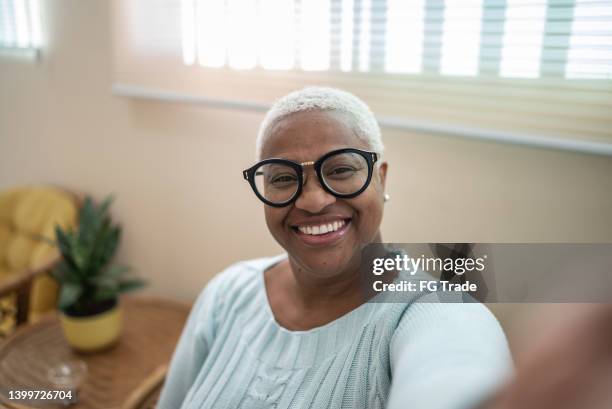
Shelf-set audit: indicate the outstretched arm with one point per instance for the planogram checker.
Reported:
(447, 356)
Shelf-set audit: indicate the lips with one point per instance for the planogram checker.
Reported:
(322, 232)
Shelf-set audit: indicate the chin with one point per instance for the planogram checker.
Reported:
(325, 262)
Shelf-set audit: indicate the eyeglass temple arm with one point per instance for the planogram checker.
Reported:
(245, 174)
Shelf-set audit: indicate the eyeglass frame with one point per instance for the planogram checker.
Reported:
(370, 157)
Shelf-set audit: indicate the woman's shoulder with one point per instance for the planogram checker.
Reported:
(238, 282)
(241, 273)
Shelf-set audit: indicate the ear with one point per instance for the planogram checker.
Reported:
(382, 174)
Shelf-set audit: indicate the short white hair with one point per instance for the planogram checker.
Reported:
(360, 117)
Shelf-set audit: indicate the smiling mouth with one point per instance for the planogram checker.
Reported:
(322, 233)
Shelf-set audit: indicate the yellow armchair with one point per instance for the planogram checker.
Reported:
(28, 216)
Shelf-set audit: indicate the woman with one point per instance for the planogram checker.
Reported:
(293, 331)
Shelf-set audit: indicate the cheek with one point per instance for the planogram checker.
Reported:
(274, 220)
(371, 211)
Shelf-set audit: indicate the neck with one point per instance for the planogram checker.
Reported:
(314, 291)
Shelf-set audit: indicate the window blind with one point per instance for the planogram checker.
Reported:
(537, 67)
(509, 38)
(20, 24)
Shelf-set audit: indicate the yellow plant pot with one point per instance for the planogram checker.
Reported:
(93, 333)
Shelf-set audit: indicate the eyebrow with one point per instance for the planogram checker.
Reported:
(283, 155)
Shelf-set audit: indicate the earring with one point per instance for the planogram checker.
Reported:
(387, 197)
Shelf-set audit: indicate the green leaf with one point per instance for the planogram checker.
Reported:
(80, 257)
(94, 225)
(86, 222)
(99, 257)
(115, 271)
(109, 281)
(89, 225)
(97, 217)
(103, 208)
(69, 294)
(131, 285)
(46, 239)
(103, 294)
(64, 273)
(64, 244)
(108, 246)
(106, 287)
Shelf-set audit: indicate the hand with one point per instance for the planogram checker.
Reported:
(570, 366)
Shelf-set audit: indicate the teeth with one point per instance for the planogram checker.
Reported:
(321, 229)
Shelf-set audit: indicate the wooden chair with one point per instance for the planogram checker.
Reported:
(20, 282)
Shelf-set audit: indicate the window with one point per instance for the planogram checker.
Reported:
(20, 24)
(493, 69)
(508, 38)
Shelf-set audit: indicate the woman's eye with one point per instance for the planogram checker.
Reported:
(282, 179)
(341, 171)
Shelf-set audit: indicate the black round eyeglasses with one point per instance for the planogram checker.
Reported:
(344, 173)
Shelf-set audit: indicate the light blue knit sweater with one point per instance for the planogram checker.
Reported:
(233, 354)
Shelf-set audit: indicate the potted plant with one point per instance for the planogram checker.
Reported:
(90, 286)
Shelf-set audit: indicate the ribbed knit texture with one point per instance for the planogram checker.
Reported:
(233, 354)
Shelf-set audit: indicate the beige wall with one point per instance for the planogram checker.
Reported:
(175, 169)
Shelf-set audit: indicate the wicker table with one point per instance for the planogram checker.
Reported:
(151, 329)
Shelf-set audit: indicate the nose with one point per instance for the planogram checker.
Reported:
(313, 198)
